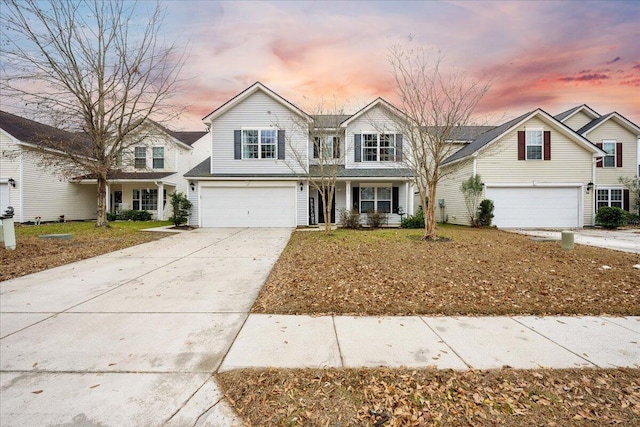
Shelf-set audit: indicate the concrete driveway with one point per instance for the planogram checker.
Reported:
(131, 337)
(626, 240)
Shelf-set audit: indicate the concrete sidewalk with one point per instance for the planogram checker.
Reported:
(625, 240)
(521, 342)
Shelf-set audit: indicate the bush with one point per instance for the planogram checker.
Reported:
(349, 219)
(111, 216)
(609, 217)
(631, 219)
(414, 221)
(375, 219)
(180, 206)
(131, 215)
(485, 213)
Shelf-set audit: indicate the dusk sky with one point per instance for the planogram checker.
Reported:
(547, 54)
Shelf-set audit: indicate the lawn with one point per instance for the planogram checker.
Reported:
(428, 397)
(476, 272)
(33, 254)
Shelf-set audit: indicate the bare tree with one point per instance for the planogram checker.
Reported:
(436, 106)
(326, 136)
(99, 67)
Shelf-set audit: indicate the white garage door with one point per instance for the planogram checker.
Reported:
(4, 197)
(556, 207)
(248, 206)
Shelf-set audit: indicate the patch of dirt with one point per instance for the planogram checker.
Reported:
(182, 227)
(427, 397)
(478, 272)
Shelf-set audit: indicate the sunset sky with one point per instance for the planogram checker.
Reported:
(547, 54)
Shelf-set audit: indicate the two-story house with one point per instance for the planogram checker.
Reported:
(262, 161)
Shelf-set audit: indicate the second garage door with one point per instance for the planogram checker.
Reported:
(554, 207)
(248, 206)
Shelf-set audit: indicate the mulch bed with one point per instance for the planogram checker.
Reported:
(402, 397)
(477, 272)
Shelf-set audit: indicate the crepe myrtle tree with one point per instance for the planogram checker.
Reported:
(100, 68)
(435, 105)
(318, 161)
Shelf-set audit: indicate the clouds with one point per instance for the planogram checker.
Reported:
(542, 54)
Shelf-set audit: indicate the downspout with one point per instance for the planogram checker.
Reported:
(593, 191)
(21, 189)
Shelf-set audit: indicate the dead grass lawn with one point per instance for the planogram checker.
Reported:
(401, 397)
(478, 272)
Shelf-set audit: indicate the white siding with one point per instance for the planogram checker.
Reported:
(10, 159)
(455, 210)
(302, 204)
(578, 120)
(611, 130)
(257, 111)
(374, 121)
(194, 198)
(201, 150)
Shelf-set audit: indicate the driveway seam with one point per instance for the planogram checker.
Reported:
(226, 353)
(556, 343)
(617, 324)
(445, 342)
(335, 331)
(188, 399)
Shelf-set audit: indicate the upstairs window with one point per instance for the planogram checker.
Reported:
(158, 157)
(534, 144)
(609, 161)
(329, 147)
(259, 144)
(140, 157)
(378, 147)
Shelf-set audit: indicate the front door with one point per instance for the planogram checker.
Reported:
(321, 209)
(116, 202)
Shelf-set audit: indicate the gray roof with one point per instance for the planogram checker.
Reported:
(560, 117)
(484, 139)
(468, 133)
(325, 121)
(188, 137)
(139, 176)
(202, 170)
(593, 123)
(343, 172)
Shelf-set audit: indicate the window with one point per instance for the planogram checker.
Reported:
(328, 146)
(378, 147)
(534, 144)
(259, 144)
(147, 200)
(609, 161)
(119, 158)
(158, 157)
(609, 197)
(140, 154)
(135, 205)
(375, 199)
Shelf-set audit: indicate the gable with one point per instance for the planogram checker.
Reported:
(577, 120)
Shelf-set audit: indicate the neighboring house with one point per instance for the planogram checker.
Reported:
(257, 176)
(544, 171)
(146, 173)
(29, 186)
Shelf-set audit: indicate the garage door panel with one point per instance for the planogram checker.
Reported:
(248, 206)
(554, 207)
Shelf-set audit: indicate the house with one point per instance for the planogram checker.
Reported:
(147, 171)
(545, 171)
(262, 163)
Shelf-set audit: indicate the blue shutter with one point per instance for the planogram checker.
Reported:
(398, 147)
(358, 147)
(237, 144)
(281, 146)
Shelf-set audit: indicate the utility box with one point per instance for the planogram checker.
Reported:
(567, 240)
(441, 203)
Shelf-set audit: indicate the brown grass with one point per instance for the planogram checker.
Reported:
(358, 397)
(477, 272)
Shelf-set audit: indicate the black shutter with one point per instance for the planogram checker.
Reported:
(336, 147)
(600, 160)
(395, 199)
(281, 145)
(521, 145)
(398, 148)
(625, 200)
(547, 145)
(356, 198)
(237, 144)
(316, 142)
(358, 147)
(619, 154)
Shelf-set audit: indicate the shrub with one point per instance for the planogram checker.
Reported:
(609, 217)
(472, 191)
(632, 218)
(349, 218)
(131, 215)
(413, 221)
(485, 213)
(111, 216)
(375, 219)
(180, 206)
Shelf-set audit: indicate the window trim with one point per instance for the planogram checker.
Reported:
(325, 147)
(376, 199)
(389, 157)
(613, 155)
(136, 158)
(154, 158)
(260, 143)
(609, 200)
(527, 144)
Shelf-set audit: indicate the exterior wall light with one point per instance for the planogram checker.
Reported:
(301, 186)
(589, 187)
(12, 182)
(192, 185)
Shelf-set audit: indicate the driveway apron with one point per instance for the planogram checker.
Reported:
(131, 337)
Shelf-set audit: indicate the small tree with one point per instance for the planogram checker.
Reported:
(180, 206)
(472, 191)
(485, 213)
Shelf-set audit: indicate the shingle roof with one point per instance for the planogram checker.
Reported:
(560, 117)
(342, 172)
(42, 135)
(203, 170)
(141, 176)
(593, 123)
(468, 133)
(188, 137)
(329, 120)
(484, 139)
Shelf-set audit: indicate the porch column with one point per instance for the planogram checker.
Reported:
(410, 198)
(108, 197)
(160, 213)
(347, 189)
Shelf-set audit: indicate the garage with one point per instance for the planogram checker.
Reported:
(527, 207)
(255, 206)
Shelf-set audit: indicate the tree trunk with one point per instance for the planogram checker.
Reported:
(101, 220)
(430, 216)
